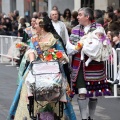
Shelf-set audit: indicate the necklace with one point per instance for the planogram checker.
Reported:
(44, 36)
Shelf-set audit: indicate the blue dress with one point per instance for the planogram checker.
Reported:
(21, 76)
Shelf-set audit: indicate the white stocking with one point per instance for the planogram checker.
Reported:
(92, 106)
(83, 107)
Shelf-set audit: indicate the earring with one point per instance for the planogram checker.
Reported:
(42, 30)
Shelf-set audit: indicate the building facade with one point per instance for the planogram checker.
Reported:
(96, 4)
(61, 4)
(27, 7)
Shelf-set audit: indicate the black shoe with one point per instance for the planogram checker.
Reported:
(89, 118)
(116, 81)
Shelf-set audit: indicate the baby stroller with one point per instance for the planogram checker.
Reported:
(46, 86)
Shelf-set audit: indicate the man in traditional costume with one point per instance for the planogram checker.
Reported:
(89, 80)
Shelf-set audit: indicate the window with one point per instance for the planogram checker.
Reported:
(13, 5)
(87, 3)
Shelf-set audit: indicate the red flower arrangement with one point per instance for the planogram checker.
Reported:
(21, 45)
(52, 54)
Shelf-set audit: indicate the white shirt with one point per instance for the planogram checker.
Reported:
(61, 30)
(57, 27)
(86, 28)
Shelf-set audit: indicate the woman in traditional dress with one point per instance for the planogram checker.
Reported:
(29, 31)
(27, 34)
(47, 39)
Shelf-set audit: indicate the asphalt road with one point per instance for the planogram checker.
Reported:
(107, 108)
(8, 85)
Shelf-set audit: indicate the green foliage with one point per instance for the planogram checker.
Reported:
(47, 108)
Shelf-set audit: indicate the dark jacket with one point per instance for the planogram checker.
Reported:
(117, 45)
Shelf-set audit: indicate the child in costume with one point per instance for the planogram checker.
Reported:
(95, 45)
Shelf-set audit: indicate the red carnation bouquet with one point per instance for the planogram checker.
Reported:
(52, 54)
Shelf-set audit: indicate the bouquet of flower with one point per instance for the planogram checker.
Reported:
(52, 54)
(21, 46)
(78, 46)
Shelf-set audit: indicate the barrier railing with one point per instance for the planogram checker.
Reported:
(6, 46)
(118, 64)
(112, 69)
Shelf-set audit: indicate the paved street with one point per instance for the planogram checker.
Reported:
(8, 86)
(107, 109)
